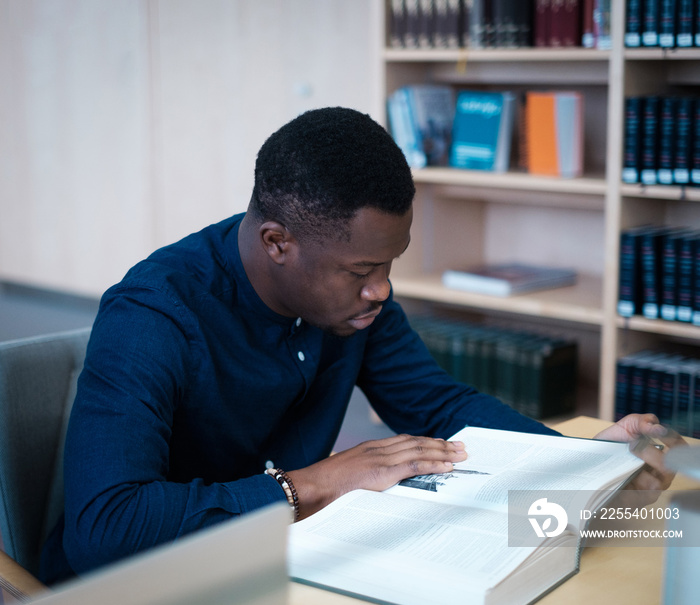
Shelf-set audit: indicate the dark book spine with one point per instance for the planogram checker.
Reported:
(629, 293)
(668, 389)
(571, 23)
(682, 148)
(684, 23)
(426, 23)
(681, 404)
(632, 140)
(667, 140)
(695, 143)
(653, 389)
(667, 23)
(686, 277)
(638, 388)
(412, 31)
(623, 371)
(556, 23)
(651, 266)
(696, 22)
(447, 23)
(670, 244)
(588, 32)
(542, 22)
(523, 23)
(694, 412)
(650, 140)
(474, 10)
(503, 16)
(696, 286)
(397, 21)
(650, 22)
(489, 27)
(633, 24)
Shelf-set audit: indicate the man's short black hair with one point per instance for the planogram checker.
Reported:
(317, 171)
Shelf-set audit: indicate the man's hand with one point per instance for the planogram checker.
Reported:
(640, 428)
(374, 465)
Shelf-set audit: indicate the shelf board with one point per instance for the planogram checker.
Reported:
(662, 54)
(509, 180)
(659, 326)
(519, 55)
(661, 192)
(580, 303)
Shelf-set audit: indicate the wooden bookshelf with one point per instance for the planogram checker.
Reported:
(460, 215)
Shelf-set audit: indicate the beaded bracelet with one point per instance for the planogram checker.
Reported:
(286, 484)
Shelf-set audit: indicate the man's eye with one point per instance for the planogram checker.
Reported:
(359, 275)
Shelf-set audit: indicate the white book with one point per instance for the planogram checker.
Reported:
(445, 538)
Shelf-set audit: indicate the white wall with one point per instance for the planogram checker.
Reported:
(127, 124)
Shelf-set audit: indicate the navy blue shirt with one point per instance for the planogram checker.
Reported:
(191, 384)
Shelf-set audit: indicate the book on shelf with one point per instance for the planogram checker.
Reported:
(667, 23)
(533, 373)
(482, 130)
(587, 27)
(420, 119)
(445, 537)
(650, 22)
(658, 273)
(554, 133)
(601, 24)
(542, 22)
(661, 383)
(684, 23)
(508, 279)
(695, 149)
(633, 24)
(632, 143)
(660, 140)
(447, 24)
(565, 23)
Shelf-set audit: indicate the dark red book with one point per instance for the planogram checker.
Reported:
(542, 21)
(587, 26)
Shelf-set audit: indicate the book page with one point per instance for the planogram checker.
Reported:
(366, 541)
(499, 461)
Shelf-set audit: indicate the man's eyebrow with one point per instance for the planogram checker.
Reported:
(369, 263)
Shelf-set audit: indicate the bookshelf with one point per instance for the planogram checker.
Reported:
(464, 217)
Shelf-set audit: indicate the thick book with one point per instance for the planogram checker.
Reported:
(667, 140)
(482, 130)
(632, 143)
(449, 537)
(668, 13)
(565, 23)
(587, 27)
(650, 140)
(505, 23)
(426, 23)
(687, 252)
(508, 279)
(397, 23)
(650, 22)
(554, 133)
(651, 272)
(447, 24)
(695, 146)
(670, 267)
(684, 23)
(630, 295)
(633, 24)
(542, 22)
(682, 146)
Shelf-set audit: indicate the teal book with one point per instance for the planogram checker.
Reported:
(482, 130)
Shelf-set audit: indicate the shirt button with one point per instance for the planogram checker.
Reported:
(269, 464)
(298, 321)
(301, 356)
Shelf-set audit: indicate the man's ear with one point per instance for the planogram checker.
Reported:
(277, 241)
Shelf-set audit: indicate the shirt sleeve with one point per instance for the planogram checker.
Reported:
(412, 394)
(118, 500)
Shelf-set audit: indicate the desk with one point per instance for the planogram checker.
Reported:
(608, 574)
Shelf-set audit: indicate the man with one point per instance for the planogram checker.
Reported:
(236, 350)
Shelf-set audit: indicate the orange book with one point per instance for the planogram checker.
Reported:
(541, 133)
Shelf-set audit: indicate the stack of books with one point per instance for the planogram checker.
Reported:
(662, 140)
(664, 384)
(660, 273)
(662, 23)
(533, 373)
(499, 23)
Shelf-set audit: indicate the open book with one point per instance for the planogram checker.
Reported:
(449, 537)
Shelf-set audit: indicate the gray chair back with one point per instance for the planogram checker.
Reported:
(38, 378)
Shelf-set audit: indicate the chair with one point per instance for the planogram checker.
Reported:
(38, 378)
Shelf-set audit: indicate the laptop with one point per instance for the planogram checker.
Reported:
(242, 561)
